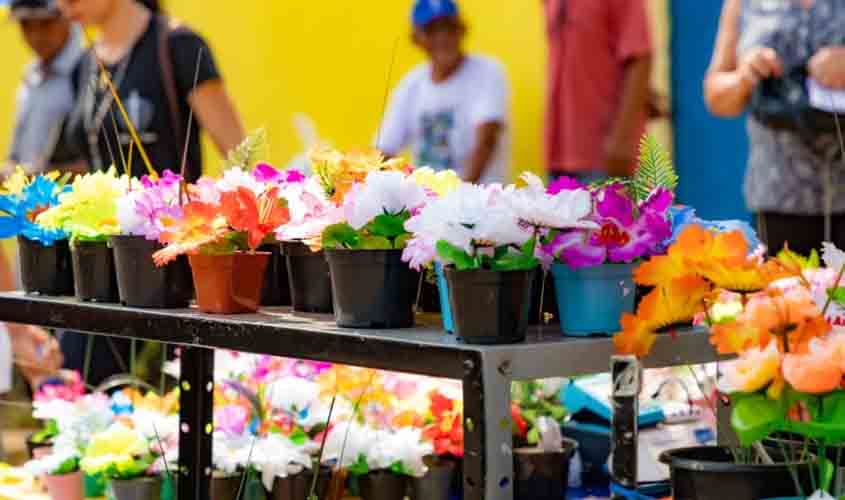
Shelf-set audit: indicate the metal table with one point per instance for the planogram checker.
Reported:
(486, 371)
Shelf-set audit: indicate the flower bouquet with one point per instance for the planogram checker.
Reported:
(445, 431)
(125, 457)
(221, 229)
(43, 252)
(141, 213)
(593, 267)
(371, 286)
(88, 213)
(486, 239)
(62, 475)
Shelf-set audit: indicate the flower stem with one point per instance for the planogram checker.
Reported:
(836, 285)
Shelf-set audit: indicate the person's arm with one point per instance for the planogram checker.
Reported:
(730, 81)
(394, 130)
(487, 137)
(635, 100)
(216, 113)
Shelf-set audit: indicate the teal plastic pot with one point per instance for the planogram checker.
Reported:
(592, 300)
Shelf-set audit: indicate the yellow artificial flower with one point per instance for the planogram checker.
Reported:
(116, 447)
(441, 183)
(16, 182)
(755, 369)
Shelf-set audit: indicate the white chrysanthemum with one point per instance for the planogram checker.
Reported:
(535, 207)
(382, 193)
(292, 394)
(404, 446)
(833, 257)
(359, 442)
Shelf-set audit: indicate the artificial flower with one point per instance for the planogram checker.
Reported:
(446, 432)
(256, 215)
(440, 182)
(401, 451)
(140, 211)
(755, 369)
(534, 207)
(382, 193)
(833, 257)
(817, 370)
(199, 225)
(338, 172)
(114, 451)
(565, 183)
(89, 210)
(23, 201)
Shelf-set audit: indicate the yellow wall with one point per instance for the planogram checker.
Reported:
(329, 59)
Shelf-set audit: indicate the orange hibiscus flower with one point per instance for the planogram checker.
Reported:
(200, 224)
(258, 216)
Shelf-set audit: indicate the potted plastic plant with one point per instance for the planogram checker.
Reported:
(371, 286)
(220, 231)
(61, 474)
(142, 213)
(43, 252)
(124, 457)
(445, 431)
(311, 211)
(88, 213)
(593, 269)
(486, 239)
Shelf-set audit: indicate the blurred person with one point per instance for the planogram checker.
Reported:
(453, 110)
(163, 72)
(45, 95)
(598, 95)
(793, 173)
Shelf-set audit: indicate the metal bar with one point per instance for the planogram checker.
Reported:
(196, 422)
(626, 372)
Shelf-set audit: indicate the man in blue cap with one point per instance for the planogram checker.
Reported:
(452, 112)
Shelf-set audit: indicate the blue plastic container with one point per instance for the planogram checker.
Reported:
(445, 306)
(591, 300)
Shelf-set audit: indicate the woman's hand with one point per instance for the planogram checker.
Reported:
(759, 64)
(36, 352)
(827, 67)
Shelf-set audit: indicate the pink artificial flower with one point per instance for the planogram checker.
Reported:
(565, 184)
(231, 419)
(70, 390)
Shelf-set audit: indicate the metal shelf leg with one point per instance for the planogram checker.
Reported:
(488, 455)
(196, 423)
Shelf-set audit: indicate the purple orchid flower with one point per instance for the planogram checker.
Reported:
(231, 419)
(268, 174)
(626, 231)
(565, 184)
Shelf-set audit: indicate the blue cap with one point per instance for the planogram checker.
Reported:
(426, 11)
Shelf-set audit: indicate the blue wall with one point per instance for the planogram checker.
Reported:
(710, 153)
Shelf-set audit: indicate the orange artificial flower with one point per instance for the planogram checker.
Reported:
(200, 224)
(258, 216)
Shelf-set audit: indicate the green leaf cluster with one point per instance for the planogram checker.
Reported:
(69, 466)
(756, 417)
(385, 232)
(247, 153)
(655, 169)
(360, 467)
(787, 256)
(524, 394)
(504, 258)
(50, 430)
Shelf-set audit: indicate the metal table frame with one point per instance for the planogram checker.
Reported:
(485, 371)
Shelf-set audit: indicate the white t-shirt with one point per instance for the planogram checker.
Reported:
(438, 121)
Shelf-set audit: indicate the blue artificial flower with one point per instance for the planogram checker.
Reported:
(18, 211)
(683, 216)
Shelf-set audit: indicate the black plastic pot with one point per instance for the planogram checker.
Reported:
(372, 288)
(490, 307)
(437, 482)
(309, 279)
(141, 283)
(542, 475)
(46, 270)
(710, 473)
(225, 486)
(94, 277)
(383, 485)
(276, 291)
(136, 489)
(298, 486)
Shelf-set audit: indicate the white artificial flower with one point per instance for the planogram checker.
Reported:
(292, 394)
(49, 465)
(404, 446)
(359, 442)
(131, 222)
(833, 257)
(276, 456)
(155, 425)
(237, 177)
(382, 193)
(230, 453)
(535, 207)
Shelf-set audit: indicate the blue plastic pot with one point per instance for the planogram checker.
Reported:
(591, 300)
(445, 307)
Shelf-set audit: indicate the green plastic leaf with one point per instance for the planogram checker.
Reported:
(360, 467)
(826, 473)
(399, 469)
(515, 262)
(454, 255)
(247, 153)
(298, 437)
(533, 436)
(837, 295)
(804, 263)
(529, 246)
(755, 417)
(402, 241)
(374, 243)
(655, 169)
(341, 235)
(389, 226)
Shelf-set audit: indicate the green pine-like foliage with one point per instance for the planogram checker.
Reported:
(655, 169)
(247, 153)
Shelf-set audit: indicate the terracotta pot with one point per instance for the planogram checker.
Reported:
(65, 487)
(229, 284)
(148, 488)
